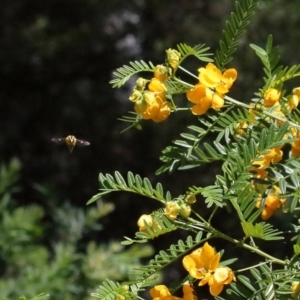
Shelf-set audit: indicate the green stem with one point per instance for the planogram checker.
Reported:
(274, 116)
(237, 102)
(249, 268)
(216, 233)
(188, 72)
(248, 247)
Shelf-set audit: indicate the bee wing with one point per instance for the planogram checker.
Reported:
(82, 143)
(58, 140)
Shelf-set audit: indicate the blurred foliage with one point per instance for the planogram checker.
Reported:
(53, 254)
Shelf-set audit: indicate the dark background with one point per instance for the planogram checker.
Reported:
(56, 59)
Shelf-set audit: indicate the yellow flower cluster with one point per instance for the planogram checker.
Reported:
(179, 207)
(161, 292)
(264, 161)
(272, 98)
(150, 97)
(172, 210)
(273, 201)
(151, 103)
(210, 90)
(203, 264)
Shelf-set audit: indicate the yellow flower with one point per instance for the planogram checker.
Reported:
(260, 164)
(197, 95)
(188, 292)
(141, 83)
(296, 92)
(217, 100)
(136, 96)
(274, 155)
(144, 219)
(296, 144)
(140, 106)
(160, 292)
(156, 85)
(295, 288)
(221, 276)
(161, 73)
(171, 210)
(185, 210)
(173, 57)
(212, 77)
(157, 109)
(149, 97)
(295, 152)
(273, 202)
(190, 198)
(201, 262)
(294, 98)
(271, 97)
(204, 98)
(240, 130)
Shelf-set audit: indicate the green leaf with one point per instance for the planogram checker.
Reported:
(262, 231)
(234, 28)
(200, 51)
(122, 74)
(135, 184)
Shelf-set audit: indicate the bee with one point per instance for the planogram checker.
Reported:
(71, 142)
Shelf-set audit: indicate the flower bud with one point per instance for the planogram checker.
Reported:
(293, 101)
(190, 198)
(271, 96)
(140, 107)
(149, 97)
(136, 96)
(156, 85)
(173, 58)
(171, 210)
(296, 92)
(141, 83)
(185, 210)
(161, 73)
(144, 219)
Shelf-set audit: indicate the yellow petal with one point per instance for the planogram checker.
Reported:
(296, 91)
(159, 291)
(199, 110)
(217, 101)
(267, 213)
(271, 96)
(144, 219)
(214, 262)
(216, 289)
(156, 85)
(207, 252)
(230, 73)
(196, 94)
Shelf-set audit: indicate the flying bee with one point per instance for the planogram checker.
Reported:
(71, 142)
